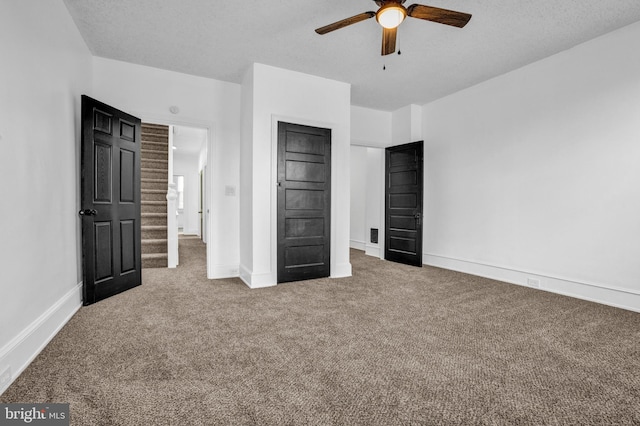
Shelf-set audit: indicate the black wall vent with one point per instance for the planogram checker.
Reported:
(374, 236)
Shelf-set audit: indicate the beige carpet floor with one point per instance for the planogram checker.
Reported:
(392, 345)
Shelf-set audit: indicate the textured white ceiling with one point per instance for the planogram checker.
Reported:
(220, 39)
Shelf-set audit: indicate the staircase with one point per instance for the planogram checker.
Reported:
(154, 156)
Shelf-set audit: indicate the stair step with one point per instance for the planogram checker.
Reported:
(155, 128)
(155, 137)
(149, 163)
(149, 173)
(153, 232)
(153, 151)
(155, 144)
(152, 185)
(152, 154)
(161, 130)
(148, 125)
(155, 245)
(148, 206)
(146, 131)
(154, 165)
(154, 260)
(154, 219)
(155, 256)
(153, 241)
(154, 208)
(156, 141)
(153, 195)
(154, 180)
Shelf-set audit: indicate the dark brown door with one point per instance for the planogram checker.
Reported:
(403, 209)
(110, 201)
(304, 202)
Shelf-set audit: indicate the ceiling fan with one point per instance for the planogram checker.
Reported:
(391, 13)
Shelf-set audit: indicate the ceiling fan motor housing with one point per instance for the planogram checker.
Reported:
(381, 3)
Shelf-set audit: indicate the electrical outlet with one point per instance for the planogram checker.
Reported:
(5, 379)
(533, 282)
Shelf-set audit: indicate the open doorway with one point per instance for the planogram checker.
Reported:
(189, 152)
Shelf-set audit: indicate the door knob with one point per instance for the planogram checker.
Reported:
(88, 212)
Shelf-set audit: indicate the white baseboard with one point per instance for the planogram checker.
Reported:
(341, 270)
(18, 353)
(223, 271)
(358, 245)
(372, 250)
(617, 297)
(253, 280)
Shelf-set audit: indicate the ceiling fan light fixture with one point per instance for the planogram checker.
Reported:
(391, 15)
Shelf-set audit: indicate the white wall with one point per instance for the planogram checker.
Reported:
(187, 166)
(536, 174)
(406, 124)
(370, 127)
(281, 95)
(367, 198)
(148, 93)
(45, 68)
(358, 231)
(246, 179)
(372, 131)
(374, 205)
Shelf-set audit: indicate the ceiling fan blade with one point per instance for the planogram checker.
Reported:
(389, 40)
(345, 22)
(441, 16)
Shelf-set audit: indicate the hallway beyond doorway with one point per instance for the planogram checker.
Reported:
(193, 255)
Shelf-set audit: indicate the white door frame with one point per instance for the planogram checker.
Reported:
(170, 120)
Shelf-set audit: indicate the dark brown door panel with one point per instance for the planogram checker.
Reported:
(110, 201)
(304, 202)
(403, 203)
